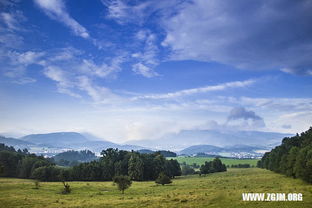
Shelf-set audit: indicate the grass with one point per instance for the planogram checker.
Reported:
(226, 161)
(215, 190)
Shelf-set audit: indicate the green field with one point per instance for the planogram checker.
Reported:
(226, 161)
(215, 190)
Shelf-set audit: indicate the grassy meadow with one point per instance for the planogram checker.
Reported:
(201, 160)
(215, 190)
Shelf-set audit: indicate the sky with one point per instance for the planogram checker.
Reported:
(128, 70)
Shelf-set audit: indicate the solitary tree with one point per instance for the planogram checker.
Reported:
(123, 182)
(163, 179)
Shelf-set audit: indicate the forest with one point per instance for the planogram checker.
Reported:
(292, 158)
(113, 162)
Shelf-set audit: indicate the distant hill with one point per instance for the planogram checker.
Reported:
(16, 143)
(59, 139)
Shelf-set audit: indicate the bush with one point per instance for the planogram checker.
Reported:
(123, 182)
(37, 185)
(66, 189)
(163, 179)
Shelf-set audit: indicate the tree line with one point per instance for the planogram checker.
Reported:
(292, 158)
(245, 165)
(213, 166)
(113, 162)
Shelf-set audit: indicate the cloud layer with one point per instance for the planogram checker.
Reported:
(246, 34)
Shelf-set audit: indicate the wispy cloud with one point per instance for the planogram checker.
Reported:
(56, 10)
(99, 94)
(102, 70)
(16, 63)
(122, 12)
(12, 20)
(63, 80)
(148, 57)
(138, 12)
(193, 91)
(143, 70)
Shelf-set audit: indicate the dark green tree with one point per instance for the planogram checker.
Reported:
(136, 167)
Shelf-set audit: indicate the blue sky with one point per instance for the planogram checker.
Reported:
(126, 70)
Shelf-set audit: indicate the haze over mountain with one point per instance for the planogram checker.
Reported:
(60, 139)
(186, 138)
(223, 151)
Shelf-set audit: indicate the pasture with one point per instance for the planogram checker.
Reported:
(214, 190)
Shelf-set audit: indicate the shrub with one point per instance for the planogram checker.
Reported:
(37, 185)
(163, 179)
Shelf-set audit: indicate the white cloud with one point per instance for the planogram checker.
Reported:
(28, 57)
(102, 70)
(56, 10)
(143, 70)
(100, 95)
(64, 83)
(205, 89)
(73, 84)
(148, 56)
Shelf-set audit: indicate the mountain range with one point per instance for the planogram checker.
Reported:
(187, 142)
(62, 141)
